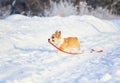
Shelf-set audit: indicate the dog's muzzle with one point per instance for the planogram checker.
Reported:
(52, 40)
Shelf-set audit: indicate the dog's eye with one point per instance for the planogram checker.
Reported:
(52, 37)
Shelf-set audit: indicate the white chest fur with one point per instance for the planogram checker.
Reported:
(60, 42)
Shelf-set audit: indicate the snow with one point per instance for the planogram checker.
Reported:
(27, 57)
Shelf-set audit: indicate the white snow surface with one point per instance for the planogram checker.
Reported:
(27, 57)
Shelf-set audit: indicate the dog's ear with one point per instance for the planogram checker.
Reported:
(59, 33)
(56, 32)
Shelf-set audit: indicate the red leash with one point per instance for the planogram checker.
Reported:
(70, 52)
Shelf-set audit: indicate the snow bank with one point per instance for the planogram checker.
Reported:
(26, 56)
(42, 28)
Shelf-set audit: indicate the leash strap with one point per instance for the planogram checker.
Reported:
(71, 52)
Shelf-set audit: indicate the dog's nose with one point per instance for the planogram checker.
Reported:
(49, 39)
(52, 40)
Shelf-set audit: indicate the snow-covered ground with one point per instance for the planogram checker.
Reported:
(27, 57)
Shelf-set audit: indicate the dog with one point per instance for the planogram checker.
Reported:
(65, 44)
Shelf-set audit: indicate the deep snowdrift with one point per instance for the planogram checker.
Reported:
(26, 56)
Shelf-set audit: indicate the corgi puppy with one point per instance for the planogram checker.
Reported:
(66, 44)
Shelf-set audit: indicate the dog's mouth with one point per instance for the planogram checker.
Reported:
(53, 40)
